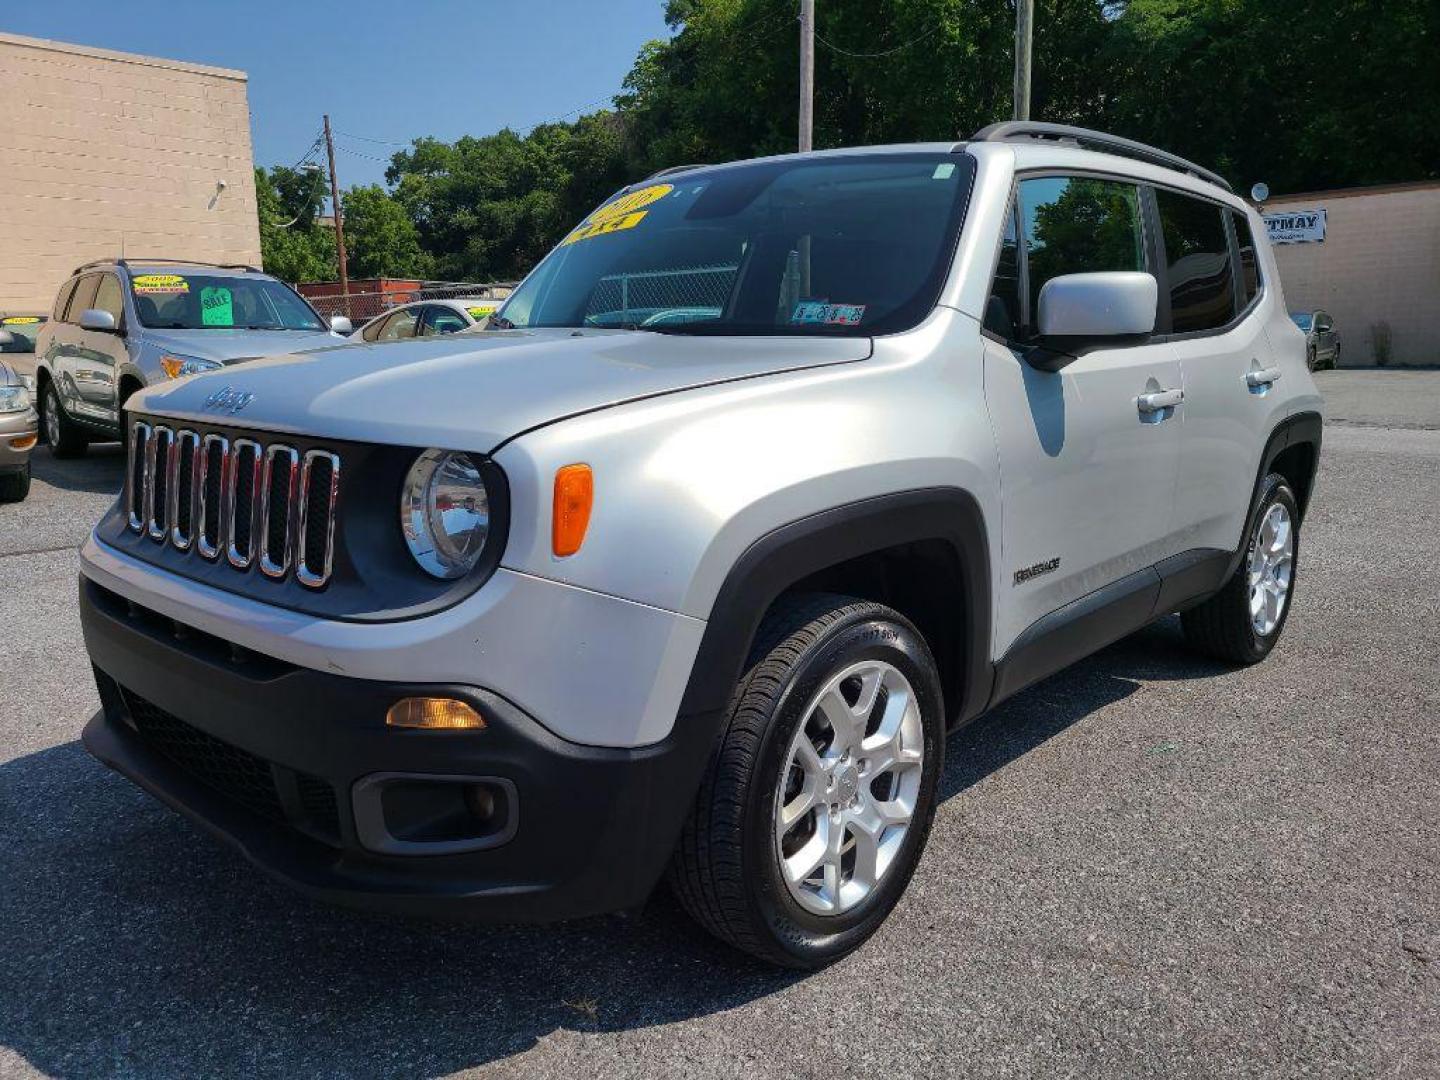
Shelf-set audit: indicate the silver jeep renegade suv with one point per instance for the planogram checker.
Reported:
(766, 478)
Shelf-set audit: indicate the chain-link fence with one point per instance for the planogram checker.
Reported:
(636, 297)
(361, 307)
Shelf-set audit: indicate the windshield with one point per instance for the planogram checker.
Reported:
(187, 301)
(23, 329)
(1302, 320)
(845, 245)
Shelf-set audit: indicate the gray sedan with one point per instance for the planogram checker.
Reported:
(426, 317)
(1322, 342)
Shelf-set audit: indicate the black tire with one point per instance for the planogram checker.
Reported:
(1310, 357)
(66, 438)
(1222, 626)
(15, 486)
(726, 869)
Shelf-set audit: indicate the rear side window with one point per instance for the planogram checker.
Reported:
(84, 297)
(1249, 263)
(62, 300)
(1078, 225)
(1202, 293)
(400, 325)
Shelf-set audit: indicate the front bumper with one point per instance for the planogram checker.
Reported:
(22, 427)
(281, 749)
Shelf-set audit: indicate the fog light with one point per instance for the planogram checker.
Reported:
(434, 714)
(23, 442)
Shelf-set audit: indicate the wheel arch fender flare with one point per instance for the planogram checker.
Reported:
(790, 553)
(1301, 429)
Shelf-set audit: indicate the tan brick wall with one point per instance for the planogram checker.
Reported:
(1379, 262)
(103, 152)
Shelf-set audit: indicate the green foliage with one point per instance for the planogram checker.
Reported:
(303, 251)
(380, 238)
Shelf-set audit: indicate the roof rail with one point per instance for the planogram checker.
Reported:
(126, 262)
(673, 169)
(1010, 130)
(86, 266)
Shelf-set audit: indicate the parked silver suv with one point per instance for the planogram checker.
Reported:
(770, 475)
(118, 326)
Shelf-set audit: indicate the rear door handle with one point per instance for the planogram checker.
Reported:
(1263, 377)
(1157, 400)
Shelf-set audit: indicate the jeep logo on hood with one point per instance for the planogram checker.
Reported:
(228, 400)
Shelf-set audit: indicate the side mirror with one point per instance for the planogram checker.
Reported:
(6, 338)
(95, 319)
(339, 324)
(1078, 310)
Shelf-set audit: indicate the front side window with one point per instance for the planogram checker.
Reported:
(835, 246)
(441, 320)
(200, 301)
(108, 297)
(1078, 225)
(1202, 293)
(1003, 314)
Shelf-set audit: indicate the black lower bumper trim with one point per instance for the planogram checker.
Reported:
(596, 825)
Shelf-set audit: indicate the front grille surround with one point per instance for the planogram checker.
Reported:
(249, 501)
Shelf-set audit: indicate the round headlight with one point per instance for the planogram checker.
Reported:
(445, 513)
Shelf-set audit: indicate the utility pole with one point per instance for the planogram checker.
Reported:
(807, 74)
(339, 223)
(1024, 24)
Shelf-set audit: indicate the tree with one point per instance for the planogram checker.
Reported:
(380, 238)
(299, 251)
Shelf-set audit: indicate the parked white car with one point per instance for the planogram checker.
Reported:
(769, 476)
(427, 318)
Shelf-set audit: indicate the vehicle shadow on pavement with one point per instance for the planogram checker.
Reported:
(101, 471)
(132, 943)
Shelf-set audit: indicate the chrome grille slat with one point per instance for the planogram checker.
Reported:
(185, 447)
(305, 573)
(240, 498)
(207, 493)
(157, 480)
(214, 454)
(278, 458)
(135, 492)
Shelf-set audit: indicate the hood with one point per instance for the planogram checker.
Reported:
(232, 345)
(473, 391)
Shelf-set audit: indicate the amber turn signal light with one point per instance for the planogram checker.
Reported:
(23, 442)
(574, 495)
(434, 714)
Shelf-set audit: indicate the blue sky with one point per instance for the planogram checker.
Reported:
(396, 71)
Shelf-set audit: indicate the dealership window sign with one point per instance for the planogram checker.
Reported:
(1296, 226)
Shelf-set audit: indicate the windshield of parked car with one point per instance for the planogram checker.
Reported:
(189, 301)
(849, 245)
(1302, 320)
(23, 330)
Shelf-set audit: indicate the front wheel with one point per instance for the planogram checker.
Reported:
(819, 796)
(65, 437)
(15, 485)
(1242, 622)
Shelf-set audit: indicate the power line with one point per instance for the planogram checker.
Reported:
(884, 52)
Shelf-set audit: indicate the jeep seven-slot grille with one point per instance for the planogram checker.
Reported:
(250, 504)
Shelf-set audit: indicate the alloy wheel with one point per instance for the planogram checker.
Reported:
(1272, 564)
(52, 417)
(849, 788)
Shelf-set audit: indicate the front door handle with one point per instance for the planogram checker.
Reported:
(1263, 377)
(1159, 400)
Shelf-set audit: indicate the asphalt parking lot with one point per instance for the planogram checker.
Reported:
(1148, 865)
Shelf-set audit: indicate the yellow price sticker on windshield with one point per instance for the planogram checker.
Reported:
(20, 320)
(478, 313)
(623, 213)
(150, 284)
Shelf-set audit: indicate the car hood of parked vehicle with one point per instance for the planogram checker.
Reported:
(472, 391)
(229, 346)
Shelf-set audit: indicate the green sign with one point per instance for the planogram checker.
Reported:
(217, 306)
